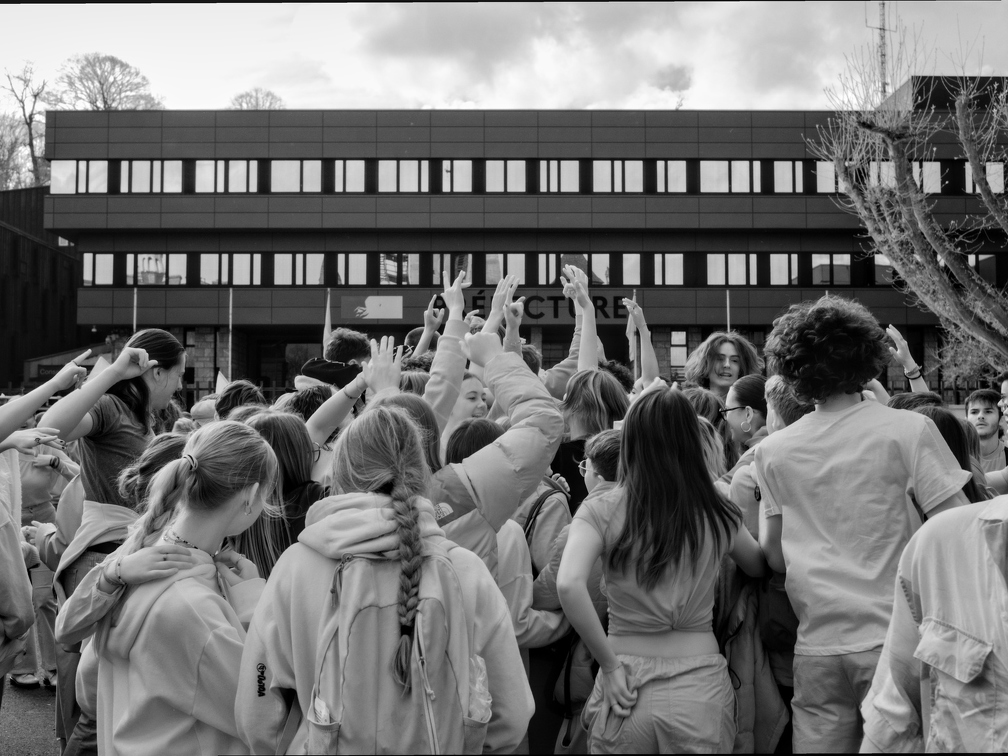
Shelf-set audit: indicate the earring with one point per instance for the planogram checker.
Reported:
(248, 508)
(744, 429)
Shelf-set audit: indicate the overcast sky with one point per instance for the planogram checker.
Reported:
(718, 55)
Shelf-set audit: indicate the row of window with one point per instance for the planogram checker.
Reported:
(492, 176)
(414, 269)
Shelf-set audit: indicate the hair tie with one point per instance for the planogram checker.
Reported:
(192, 461)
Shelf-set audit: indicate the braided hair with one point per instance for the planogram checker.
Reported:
(382, 452)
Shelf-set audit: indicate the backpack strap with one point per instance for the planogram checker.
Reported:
(536, 510)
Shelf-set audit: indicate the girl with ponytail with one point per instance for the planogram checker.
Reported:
(167, 656)
(381, 520)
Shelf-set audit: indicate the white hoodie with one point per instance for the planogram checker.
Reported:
(168, 666)
(280, 653)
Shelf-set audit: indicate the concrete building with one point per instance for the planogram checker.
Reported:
(230, 227)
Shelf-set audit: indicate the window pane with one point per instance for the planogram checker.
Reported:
(494, 267)
(779, 275)
(821, 270)
(987, 265)
(783, 176)
(242, 269)
(339, 175)
(156, 176)
(740, 176)
(221, 175)
(209, 273)
(713, 175)
(88, 260)
(674, 270)
(460, 178)
(354, 175)
(825, 173)
(130, 270)
(237, 175)
(841, 270)
(516, 175)
(756, 177)
(516, 266)
(150, 270)
(495, 175)
(82, 176)
(285, 176)
(176, 270)
(602, 175)
(172, 180)
(98, 176)
(63, 176)
(631, 269)
(314, 269)
(633, 176)
(883, 270)
(677, 175)
(411, 269)
(356, 269)
(737, 270)
(409, 176)
(141, 176)
(995, 177)
(124, 182)
(388, 269)
(716, 269)
(600, 269)
(283, 269)
(103, 270)
(312, 176)
(204, 175)
(932, 177)
(569, 176)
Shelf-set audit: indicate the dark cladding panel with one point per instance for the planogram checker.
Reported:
(349, 150)
(188, 135)
(505, 204)
(456, 220)
(240, 220)
(349, 134)
(295, 134)
(564, 118)
(672, 150)
(733, 119)
(295, 118)
(389, 150)
(510, 220)
(512, 134)
(349, 118)
(295, 220)
(566, 135)
(242, 133)
(619, 150)
(673, 220)
(456, 204)
(457, 149)
(510, 118)
(725, 151)
(136, 150)
(402, 220)
(193, 150)
(348, 220)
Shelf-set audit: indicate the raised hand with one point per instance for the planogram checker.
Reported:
(514, 312)
(634, 311)
(902, 350)
(72, 373)
(433, 316)
(480, 348)
(453, 296)
(382, 371)
(131, 362)
(575, 286)
(31, 440)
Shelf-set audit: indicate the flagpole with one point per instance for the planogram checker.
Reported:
(134, 308)
(230, 332)
(727, 299)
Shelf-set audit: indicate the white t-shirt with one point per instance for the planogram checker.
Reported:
(844, 484)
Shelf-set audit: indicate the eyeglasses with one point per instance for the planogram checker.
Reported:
(583, 467)
(725, 410)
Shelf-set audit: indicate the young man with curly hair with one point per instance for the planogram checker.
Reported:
(838, 490)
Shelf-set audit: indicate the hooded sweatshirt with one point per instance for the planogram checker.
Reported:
(168, 666)
(280, 653)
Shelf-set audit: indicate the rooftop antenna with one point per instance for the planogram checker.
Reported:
(884, 87)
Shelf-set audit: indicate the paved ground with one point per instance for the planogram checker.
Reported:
(27, 720)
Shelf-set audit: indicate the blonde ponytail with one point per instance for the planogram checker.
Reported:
(411, 562)
(166, 490)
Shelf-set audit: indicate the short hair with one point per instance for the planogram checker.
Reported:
(914, 400)
(238, 393)
(781, 398)
(596, 398)
(532, 357)
(750, 391)
(306, 401)
(603, 449)
(985, 396)
(620, 372)
(828, 347)
(414, 381)
(420, 362)
(704, 357)
(469, 437)
(345, 345)
(414, 336)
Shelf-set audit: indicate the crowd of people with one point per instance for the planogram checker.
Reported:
(453, 548)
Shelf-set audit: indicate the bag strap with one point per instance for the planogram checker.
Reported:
(294, 717)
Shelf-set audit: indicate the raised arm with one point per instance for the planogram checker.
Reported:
(16, 412)
(576, 288)
(70, 414)
(902, 355)
(648, 358)
(431, 322)
(448, 367)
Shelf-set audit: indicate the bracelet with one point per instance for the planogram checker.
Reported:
(916, 370)
(117, 580)
(354, 397)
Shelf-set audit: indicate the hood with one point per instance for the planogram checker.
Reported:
(359, 523)
(138, 601)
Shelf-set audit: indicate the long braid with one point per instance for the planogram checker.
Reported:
(411, 562)
(166, 491)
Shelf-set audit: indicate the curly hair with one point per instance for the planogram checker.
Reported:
(827, 347)
(346, 344)
(704, 358)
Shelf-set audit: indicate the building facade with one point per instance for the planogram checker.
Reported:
(231, 227)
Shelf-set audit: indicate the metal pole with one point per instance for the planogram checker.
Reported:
(134, 308)
(230, 332)
(727, 301)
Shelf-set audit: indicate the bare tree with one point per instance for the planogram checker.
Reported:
(94, 81)
(11, 174)
(875, 144)
(257, 98)
(29, 94)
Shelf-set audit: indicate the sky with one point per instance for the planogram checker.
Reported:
(747, 56)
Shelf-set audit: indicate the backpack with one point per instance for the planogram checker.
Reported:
(363, 709)
(552, 487)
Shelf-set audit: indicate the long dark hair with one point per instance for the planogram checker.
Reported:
(954, 431)
(161, 346)
(670, 497)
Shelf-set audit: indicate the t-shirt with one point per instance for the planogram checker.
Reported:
(844, 484)
(996, 460)
(682, 600)
(115, 442)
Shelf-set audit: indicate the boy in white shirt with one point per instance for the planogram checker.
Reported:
(838, 489)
